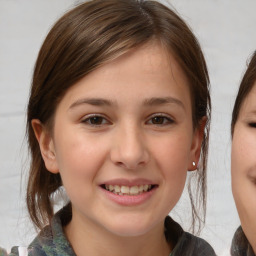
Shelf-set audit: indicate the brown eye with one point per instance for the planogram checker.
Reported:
(95, 121)
(253, 125)
(160, 120)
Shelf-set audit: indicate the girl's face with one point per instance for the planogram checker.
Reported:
(243, 166)
(123, 141)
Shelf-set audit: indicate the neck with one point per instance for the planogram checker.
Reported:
(89, 239)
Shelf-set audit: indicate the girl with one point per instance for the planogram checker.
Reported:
(243, 162)
(118, 113)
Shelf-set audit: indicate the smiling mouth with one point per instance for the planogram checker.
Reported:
(128, 191)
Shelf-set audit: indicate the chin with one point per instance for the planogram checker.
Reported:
(132, 228)
(130, 232)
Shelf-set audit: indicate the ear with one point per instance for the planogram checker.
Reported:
(196, 145)
(46, 145)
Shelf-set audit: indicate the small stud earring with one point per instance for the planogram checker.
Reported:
(194, 164)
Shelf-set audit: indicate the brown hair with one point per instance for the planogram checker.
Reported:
(246, 85)
(88, 36)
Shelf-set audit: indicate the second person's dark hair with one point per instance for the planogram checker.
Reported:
(246, 85)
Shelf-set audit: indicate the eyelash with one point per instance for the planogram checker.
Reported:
(89, 119)
(164, 120)
(252, 125)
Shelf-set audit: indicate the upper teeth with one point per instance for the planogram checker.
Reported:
(134, 190)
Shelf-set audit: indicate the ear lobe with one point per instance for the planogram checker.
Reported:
(46, 145)
(196, 145)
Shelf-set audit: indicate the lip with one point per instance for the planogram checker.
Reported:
(129, 183)
(128, 200)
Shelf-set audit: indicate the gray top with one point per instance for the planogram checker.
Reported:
(240, 245)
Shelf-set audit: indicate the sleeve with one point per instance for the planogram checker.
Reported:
(240, 245)
(200, 247)
(190, 245)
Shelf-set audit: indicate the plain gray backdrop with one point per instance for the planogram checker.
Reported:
(226, 31)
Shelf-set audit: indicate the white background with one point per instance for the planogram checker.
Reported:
(226, 31)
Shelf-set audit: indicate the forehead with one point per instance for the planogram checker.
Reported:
(250, 101)
(151, 57)
(149, 71)
(148, 62)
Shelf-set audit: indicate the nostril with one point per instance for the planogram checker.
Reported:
(127, 165)
(119, 164)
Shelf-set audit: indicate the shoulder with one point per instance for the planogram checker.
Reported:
(37, 247)
(186, 244)
(51, 241)
(189, 245)
(240, 245)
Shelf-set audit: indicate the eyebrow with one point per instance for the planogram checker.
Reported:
(248, 114)
(92, 101)
(253, 112)
(161, 101)
(155, 101)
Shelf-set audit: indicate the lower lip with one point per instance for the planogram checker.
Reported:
(129, 200)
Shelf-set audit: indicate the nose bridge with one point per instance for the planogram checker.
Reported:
(129, 149)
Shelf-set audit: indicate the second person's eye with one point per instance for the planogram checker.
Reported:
(252, 124)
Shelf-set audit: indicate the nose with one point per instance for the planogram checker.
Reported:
(129, 148)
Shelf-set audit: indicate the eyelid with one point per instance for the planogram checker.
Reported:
(252, 124)
(86, 118)
(166, 116)
(252, 178)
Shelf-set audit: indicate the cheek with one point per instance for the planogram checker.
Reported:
(79, 156)
(243, 161)
(239, 162)
(171, 155)
(243, 154)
